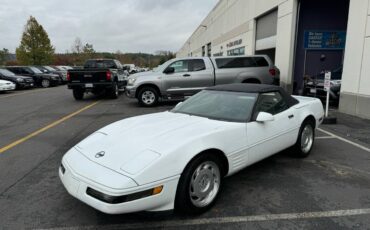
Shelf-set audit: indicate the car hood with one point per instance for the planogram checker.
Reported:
(131, 144)
(5, 82)
(145, 75)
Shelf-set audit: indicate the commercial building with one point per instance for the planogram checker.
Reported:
(303, 37)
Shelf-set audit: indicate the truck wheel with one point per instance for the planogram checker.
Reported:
(114, 91)
(199, 185)
(305, 140)
(45, 83)
(78, 94)
(148, 96)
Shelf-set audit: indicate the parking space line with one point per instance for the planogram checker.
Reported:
(23, 93)
(345, 140)
(325, 137)
(55, 123)
(225, 220)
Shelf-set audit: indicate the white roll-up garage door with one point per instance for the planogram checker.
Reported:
(266, 28)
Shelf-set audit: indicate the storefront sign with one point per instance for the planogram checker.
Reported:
(234, 43)
(324, 39)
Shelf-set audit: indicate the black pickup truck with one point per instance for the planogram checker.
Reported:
(98, 76)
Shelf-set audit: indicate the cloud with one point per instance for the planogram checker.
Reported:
(110, 25)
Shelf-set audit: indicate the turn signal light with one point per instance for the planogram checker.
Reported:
(109, 76)
(157, 190)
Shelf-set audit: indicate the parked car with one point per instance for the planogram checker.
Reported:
(178, 158)
(131, 68)
(6, 85)
(40, 78)
(49, 70)
(21, 82)
(64, 67)
(314, 85)
(182, 77)
(98, 76)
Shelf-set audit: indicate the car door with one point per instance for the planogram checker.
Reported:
(189, 77)
(202, 75)
(177, 82)
(267, 138)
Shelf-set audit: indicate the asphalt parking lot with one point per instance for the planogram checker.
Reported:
(328, 190)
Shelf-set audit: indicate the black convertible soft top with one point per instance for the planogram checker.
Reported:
(255, 88)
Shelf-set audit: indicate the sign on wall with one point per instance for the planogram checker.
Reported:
(324, 39)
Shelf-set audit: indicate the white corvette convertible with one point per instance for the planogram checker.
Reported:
(178, 159)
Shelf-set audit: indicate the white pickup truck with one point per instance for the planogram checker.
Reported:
(182, 77)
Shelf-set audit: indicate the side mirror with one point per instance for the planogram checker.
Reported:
(264, 117)
(169, 70)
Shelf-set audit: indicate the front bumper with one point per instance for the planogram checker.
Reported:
(24, 85)
(131, 91)
(103, 180)
(7, 87)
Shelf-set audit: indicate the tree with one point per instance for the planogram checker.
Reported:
(4, 53)
(88, 50)
(77, 46)
(35, 47)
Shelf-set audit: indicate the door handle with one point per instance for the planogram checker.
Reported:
(186, 75)
(291, 116)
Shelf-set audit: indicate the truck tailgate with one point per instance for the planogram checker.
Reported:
(88, 76)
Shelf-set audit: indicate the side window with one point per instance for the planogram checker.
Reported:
(261, 61)
(244, 62)
(271, 102)
(180, 66)
(197, 65)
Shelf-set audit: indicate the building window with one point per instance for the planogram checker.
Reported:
(209, 49)
(218, 54)
(203, 51)
(236, 52)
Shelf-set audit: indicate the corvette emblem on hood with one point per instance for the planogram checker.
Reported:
(100, 154)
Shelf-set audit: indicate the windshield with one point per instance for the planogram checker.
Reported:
(35, 70)
(161, 68)
(49, 68)
(219, 105)
(6, 73)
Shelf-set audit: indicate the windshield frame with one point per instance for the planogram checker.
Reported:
(248, 116)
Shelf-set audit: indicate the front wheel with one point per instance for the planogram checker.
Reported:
(45, 83)
(199, 185)
(78, 94)
(305, 140)
(148, 97)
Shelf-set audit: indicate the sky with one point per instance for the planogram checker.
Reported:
(110, 25)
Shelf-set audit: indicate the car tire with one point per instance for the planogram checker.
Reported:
(305, 140)
(199, 185)
(45, 83)
(78, 94)
(148, 97)
(114, 93)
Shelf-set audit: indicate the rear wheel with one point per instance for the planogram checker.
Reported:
(45, 83)
(148, 96)
(199, 185)
(114, 91)
(305, 140)
(78, 94)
